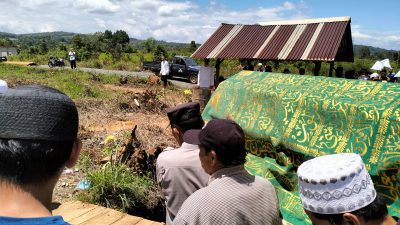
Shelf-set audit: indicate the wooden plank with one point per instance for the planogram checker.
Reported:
(128, 220)
(76, 212)
(87, 216)
(67, 207)
(108, 217)
(148, 222)
(80, 209)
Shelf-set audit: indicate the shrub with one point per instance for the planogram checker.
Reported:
(116, 186)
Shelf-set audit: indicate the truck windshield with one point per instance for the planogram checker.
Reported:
(190, 62)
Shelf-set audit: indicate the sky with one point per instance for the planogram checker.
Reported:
(374, 23)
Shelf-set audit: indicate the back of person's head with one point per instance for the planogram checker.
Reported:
(268, 69)
(286, 71)
(335, 187)
(223, 136)
(339, 71)
(185, 116)
(375, 211)
(302, 71)
(38, 128)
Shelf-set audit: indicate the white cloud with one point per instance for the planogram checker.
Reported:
(359, 35)
(375, 38)
(96, 6)
(169, 20)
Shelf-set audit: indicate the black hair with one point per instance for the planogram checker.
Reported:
(376, 211)
(25, 162)
(228, 157)
(268, 69)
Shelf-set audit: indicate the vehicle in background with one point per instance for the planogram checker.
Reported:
(55, 61)
(3, 58)
(181, 67)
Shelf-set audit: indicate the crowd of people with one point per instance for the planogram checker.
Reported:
(363, 74)
(204, 180)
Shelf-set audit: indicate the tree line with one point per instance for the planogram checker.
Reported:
(92, 45)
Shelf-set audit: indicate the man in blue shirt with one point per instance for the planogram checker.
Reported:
(38, 139)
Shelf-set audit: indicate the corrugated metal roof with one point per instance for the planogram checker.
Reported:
(327, 39)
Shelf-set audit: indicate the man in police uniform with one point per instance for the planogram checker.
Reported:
(179, 171)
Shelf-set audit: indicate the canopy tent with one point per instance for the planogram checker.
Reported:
(290, 118)
(316, 40)
(379, 65)
(386, 63)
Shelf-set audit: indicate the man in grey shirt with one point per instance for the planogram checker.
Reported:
(179, 171)
(233, 196)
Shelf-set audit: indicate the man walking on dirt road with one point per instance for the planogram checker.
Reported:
(38, 139)
(179, 171)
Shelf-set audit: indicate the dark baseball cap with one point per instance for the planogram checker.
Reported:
(37, 113)
(219, 134)
(184, 114)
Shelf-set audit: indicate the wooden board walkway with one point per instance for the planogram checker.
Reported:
(77, 212)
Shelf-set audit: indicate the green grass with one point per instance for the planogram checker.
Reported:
(116, 186)
(76, 84)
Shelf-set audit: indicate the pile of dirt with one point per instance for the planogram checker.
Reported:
(100, 118)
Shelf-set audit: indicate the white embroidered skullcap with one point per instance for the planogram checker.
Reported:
(334, 184)
(3, 86)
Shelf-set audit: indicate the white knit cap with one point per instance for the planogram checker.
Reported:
(3, 86)
(334, 184)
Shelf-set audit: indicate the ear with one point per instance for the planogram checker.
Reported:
(351, 219)
(178, 135)
(76, 150)
(213, 158)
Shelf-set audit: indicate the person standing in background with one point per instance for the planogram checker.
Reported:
(72, 59)
(164, 71)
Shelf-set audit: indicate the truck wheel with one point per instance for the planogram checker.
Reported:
(50, 65)
(193, 78)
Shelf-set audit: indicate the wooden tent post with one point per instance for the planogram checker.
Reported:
(206, 62)
(217, 70)
(331, 66)
(317, 68)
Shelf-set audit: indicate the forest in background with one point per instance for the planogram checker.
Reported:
(116, 50)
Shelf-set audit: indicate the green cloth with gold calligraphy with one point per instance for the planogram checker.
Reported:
(291, 118)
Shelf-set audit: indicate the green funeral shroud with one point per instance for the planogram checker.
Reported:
(292, 118)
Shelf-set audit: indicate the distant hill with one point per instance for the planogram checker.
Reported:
(7, 35)
(375, 52)
(51, 34)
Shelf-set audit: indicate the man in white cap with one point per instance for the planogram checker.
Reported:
(337, 189)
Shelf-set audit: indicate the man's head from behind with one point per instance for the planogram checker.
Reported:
(222, 144)
(184, 117)
(337, 189)
(38, 134)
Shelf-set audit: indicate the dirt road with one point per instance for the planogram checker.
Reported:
(180, 83)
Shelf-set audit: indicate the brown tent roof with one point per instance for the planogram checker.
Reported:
(327, 39)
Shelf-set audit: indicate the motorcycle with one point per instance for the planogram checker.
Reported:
(54, 61)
